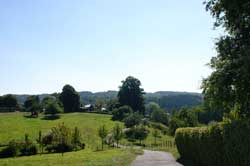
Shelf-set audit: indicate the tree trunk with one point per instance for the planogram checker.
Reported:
(102, 144)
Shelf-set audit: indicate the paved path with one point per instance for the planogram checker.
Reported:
(155, 158)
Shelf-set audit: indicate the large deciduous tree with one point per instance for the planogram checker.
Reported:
(70, 99)
(131, 94)
(228, 86)
(32, 104)
(9, 101)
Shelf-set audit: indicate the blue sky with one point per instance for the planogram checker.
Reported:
(94, 44)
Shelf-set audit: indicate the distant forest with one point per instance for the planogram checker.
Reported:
(167, 100)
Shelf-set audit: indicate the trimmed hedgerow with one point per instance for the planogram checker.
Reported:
(225, 144)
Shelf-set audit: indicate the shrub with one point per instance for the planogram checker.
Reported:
(62, 139)
(12, 150)
(19, 149)
(174, 124)
(121, 113)
(160, 116)
(164, 129)
(222, 144)
(53, 108)
(133, 120)
(28, 149)
(137, 133)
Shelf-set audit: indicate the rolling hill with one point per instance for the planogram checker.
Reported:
(166, 99)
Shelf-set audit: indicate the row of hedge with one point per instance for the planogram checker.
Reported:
(224, 144)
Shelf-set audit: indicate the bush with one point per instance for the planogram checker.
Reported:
(62, 139)
(133, 120)
(159, 116)
(137, 133)
(218, 145)
(164, 129)
(121, 113)
(174, 124)
(53, 108)
(28, 149)
(12, 150)
(19, 149)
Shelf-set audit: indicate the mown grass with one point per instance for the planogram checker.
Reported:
(15, 125)
(87, 157)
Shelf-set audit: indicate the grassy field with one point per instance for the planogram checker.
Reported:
(87, 157)
(15, 125)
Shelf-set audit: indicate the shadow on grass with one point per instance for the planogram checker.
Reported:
(30, 116)
(186, 162)
(50, 117)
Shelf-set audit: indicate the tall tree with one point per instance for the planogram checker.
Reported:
(228, 86)
(32, 104)
(70, 99)
(31, 101)
(131, 94)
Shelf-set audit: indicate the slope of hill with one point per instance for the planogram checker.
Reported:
(88, 125)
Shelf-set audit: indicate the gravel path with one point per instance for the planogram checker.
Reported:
(155, 158)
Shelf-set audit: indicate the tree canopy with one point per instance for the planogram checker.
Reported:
(70, 99)
(131, 94)
(228, 86)
(8, 101)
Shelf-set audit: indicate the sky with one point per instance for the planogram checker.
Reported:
(94, 44)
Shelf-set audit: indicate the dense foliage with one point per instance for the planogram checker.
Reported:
(184, 118)
(32, 104)
(160, 116)
(228, 86)
(70, 99)
(218, 145)
(8, 103)
(131, 94)
(24, 148)
(139, 132)
(175, 101)
(53, 109)
(62, 139)
(121, 113)
(133, 120)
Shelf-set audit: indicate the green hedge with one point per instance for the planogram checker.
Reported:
(225, 144)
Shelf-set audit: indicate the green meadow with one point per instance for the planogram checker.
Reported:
(87, 157)
(15, 125)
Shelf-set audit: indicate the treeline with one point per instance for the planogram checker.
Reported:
(166, 99)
